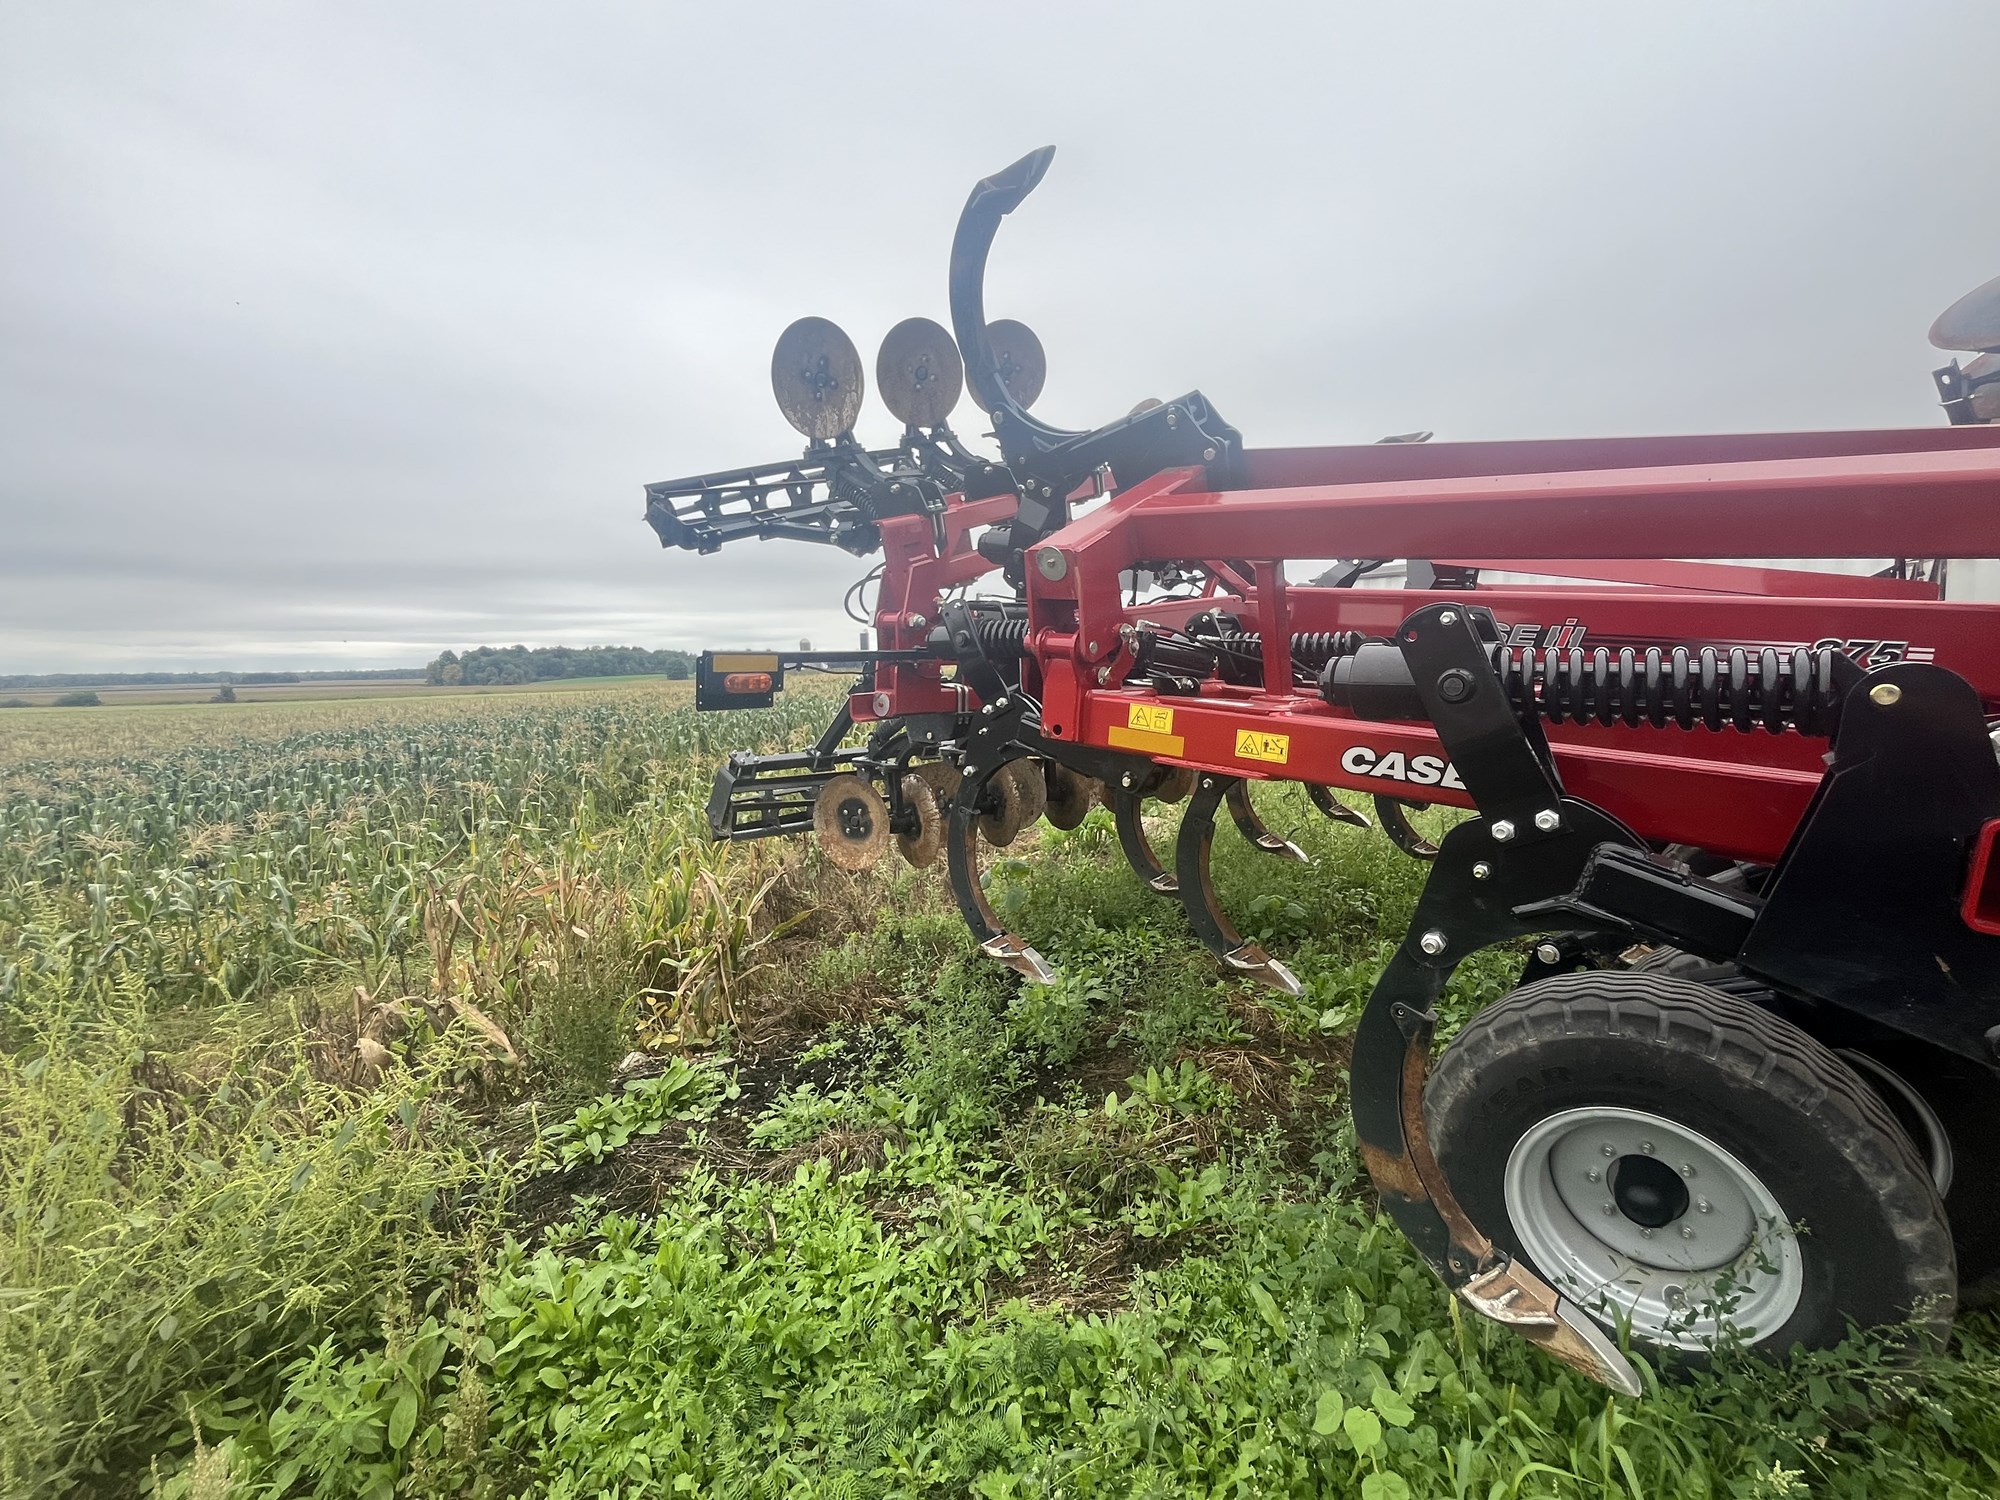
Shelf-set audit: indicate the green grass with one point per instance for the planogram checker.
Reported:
(322, 1176)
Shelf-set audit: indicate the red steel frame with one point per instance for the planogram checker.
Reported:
(1614, 513)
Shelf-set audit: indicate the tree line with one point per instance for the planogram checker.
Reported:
(494, 666)
(48, 681)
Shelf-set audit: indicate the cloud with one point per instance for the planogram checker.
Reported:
(349, 334)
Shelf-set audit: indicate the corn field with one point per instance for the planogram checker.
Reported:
(404, 1098)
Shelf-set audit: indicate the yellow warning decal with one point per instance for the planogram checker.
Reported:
(743, 661)
(1254, 744)
(1121, 738)
(1150, 718)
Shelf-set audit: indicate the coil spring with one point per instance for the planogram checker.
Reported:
(1310, 648)
(1766, 689)
(1003, 638)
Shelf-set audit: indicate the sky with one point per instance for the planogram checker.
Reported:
(339, 334)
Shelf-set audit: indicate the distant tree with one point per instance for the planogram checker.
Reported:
(488, 666)
(84, 699)
(224, 694)
(14, 703)
(805, 645)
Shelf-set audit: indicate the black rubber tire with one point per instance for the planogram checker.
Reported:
(1966, 1099)
(1964, 1096)
(1877, 1249)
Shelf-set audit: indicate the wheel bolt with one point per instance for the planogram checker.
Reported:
(1645, 1234)
(1687, 1169)
(1611, 1208)
(1687, 1231)
(1609, 1149)
(1592, 1175)
(1647, 1147)
(1702, 1205)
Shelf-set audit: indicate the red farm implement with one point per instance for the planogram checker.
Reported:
(1741, 817)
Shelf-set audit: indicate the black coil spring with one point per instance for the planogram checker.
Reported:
(1003, 638)
(1716, 689)
(1310, 648)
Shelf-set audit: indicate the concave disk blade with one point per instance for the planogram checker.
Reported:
(816, 376)
(1972, 322)
(1023, 366)
(919, 373)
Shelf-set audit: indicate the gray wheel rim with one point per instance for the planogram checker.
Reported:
(1635, 1216)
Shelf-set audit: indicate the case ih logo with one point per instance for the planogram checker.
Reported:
(1866, 654)
(1393, 765)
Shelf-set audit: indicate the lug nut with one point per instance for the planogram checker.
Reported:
(1592, 1175)
(1645, 1234)
(1609, 1149)
(1647, 1147)
(1548, 820)
(1687, 1231)
(1702, 1205)
(1481, 870)
(1432, 942)
(1611, 1208)
(1687, 1169)
(1502, 831)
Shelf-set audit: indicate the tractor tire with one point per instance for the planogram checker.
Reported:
(1957, 1120)
(1652, 1147)
(1949, 1106)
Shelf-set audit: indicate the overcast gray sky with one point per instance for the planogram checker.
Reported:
(338, 334)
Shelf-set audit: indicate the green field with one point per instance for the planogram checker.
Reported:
(401, 1097)
(121, 696)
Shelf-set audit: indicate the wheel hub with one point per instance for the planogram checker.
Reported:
(1633, 1213)
(1646, 1191)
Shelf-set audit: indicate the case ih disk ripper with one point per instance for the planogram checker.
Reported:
(1742, 817)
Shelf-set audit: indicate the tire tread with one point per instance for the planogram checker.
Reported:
(1738, 1037)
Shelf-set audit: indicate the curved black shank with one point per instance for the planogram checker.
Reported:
(1197, 892)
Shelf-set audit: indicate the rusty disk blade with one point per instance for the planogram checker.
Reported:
(852, 822)
(816, 376)
(1972, 322)
(921, 848)
(919, 373)
(1070, 794)
(1023, 366)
